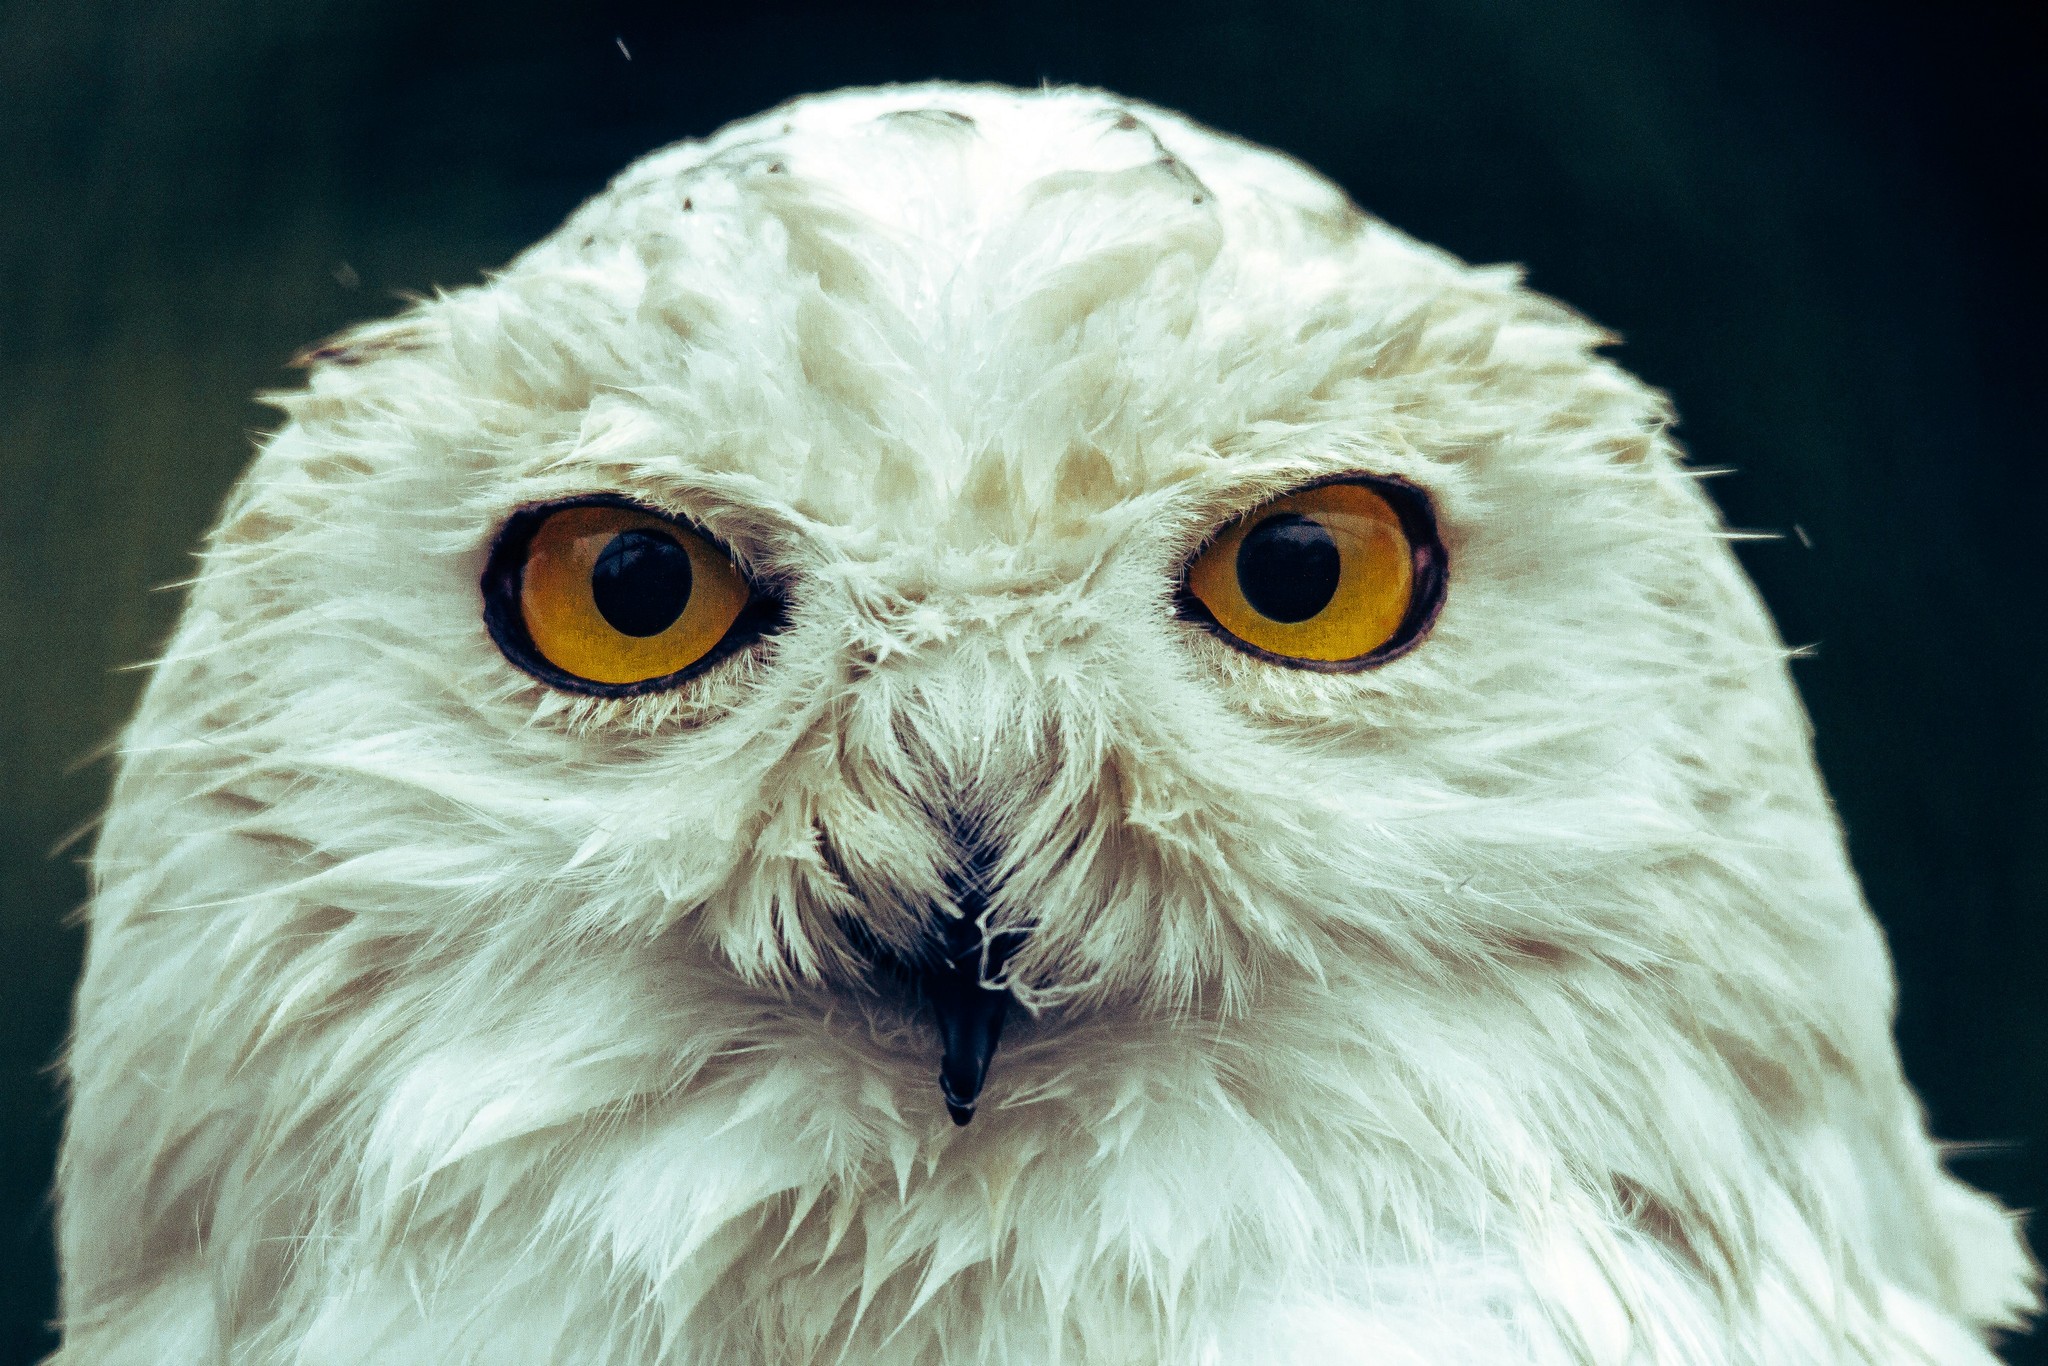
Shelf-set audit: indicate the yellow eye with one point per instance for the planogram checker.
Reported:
(1338, 576)
(600, 596)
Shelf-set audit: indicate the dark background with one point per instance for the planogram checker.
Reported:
(1811, 221)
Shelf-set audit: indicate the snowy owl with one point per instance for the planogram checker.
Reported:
(980, 726)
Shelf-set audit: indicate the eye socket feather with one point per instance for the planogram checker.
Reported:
(1338, 576)
(602, 596)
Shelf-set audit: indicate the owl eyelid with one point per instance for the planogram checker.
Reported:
(1416, 513)
(742, 548)
(505, 622)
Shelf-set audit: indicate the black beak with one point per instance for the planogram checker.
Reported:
(958, 970)
(968, 1006)
(970, 1019)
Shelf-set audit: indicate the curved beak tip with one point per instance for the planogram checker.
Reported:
(970, 1024)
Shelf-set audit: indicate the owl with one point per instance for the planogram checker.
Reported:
(966, 725)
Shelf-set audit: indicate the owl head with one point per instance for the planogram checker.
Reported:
(1009, 589)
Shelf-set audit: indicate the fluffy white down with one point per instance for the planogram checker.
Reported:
(1512, 1002)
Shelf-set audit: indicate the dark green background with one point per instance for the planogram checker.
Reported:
(1808, 219)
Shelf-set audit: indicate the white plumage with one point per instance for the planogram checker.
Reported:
(1512, 1001)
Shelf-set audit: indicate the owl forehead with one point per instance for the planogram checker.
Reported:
(956, 316)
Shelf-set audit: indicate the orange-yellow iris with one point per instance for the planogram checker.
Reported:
(616, 595)
(1323, 575)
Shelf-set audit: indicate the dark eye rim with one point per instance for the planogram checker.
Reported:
(504, 576)
(1417, 515)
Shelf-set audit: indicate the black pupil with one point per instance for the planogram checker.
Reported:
(1287, 567)
(641, 582)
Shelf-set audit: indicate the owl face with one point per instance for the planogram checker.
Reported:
(1010, 561)
(1017, 590)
